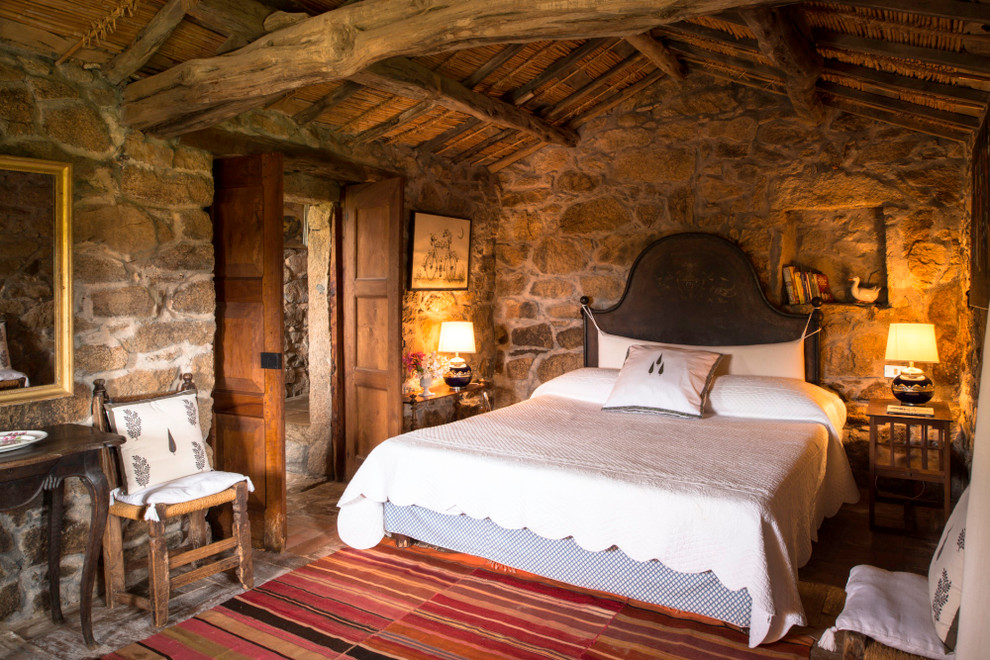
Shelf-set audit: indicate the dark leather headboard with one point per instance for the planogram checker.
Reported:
(700, 289)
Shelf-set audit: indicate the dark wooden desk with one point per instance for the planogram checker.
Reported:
(70, 450)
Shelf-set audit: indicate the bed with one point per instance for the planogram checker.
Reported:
(710, 513)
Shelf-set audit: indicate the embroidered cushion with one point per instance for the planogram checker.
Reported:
(663, 379)
(4, 354)
(945, 574)
(163, 439)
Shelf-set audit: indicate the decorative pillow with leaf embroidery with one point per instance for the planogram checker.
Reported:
(945, 574)
(163, 439)
(4, 354)
(663, 379)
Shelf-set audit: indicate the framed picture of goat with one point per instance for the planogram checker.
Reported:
(440, 252)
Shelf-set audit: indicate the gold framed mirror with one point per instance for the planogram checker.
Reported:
(36, 342)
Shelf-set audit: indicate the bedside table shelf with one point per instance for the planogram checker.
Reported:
(909, 448)
(437, 408)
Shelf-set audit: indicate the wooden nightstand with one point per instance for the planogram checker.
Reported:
(914, 448)
(445, 405)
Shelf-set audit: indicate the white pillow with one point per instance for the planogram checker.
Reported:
(785, 359)
(4, 354)
(183, 489)
(769, 397)
(663, 379)
(585, 384)
(163, 439)
(892, 608)
(945, 574)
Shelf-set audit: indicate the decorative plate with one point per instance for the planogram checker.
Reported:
(11, 440)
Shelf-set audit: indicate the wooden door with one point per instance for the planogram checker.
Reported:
(371, 257)
(249, 395)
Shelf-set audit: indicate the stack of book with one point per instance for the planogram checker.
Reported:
(803, 286)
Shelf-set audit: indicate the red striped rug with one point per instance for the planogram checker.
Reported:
(414, 603)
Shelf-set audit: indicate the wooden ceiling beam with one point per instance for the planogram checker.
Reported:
(791, 52)
(406, 78)
(519, 155)
(963, 63)
(242, 21)
(950, 9)
(403, 117)
(626, 93)
(950, 120)
(147, 41)
(963, 97)
(489, 67)
(482, 145)
(438, 141)
(658, 53)
(526, 92)
(321, 105)
(339, 43)
(870, 109)
(567, 104)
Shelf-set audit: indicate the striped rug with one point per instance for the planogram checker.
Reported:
(418, 603)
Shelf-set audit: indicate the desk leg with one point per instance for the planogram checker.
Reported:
(99, 493)
(57, 496)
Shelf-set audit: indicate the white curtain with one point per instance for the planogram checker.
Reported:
(974, 633)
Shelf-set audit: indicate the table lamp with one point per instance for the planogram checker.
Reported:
(457, 337)
(912, 342)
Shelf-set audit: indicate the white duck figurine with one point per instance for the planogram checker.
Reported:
(864, 294)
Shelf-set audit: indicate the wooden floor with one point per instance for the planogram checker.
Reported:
(844, 541)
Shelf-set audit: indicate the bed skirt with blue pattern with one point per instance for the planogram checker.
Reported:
(564, 560)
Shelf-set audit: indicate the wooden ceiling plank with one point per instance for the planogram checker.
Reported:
(482, 145)
(567, 104)
(625, 93)
(966, 97)
(148, 41)
(950, 9)
(438, 141)
(658, 53)
(338, 43)
(897, 119)
(791, 52)
(526, 92)
(412, 80)
(489, 67)
(339, 95)
(963, 63)
(407, 115)
(519, 155)
(952, 120)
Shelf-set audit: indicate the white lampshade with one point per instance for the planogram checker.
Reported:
(456, 337)
(912, 342)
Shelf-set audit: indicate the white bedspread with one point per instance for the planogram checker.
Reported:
(740, 497)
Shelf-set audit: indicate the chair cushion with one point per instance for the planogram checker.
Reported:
(892, 608)
(945, 574)
(183, 489)
(163, 439)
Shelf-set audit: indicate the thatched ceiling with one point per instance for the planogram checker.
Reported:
(473, 86)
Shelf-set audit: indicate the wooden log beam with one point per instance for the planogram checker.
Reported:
(966, 98)
(342, 42)
(148, 41)
(591, 88)
(975, 66)
(792, 53)
(953, 121)
(339, 95)
(440, 140)
(406, 78)
(242, 21)
(489, 67)
(659, 54)
(950, 9)
(917, 123)
(626, 93)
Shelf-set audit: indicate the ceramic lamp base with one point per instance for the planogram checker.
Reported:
(913, 389)
(457, 375)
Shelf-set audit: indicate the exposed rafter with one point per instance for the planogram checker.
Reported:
(339, 43)
(148, 40)
(524, 93)
(406, 78)
(792, 53)
(339, 95)
(657, 53)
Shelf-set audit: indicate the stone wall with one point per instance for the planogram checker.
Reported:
(143, 281)
(296, 287)
(848, 197)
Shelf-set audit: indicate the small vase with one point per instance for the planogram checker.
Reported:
(425, 382)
